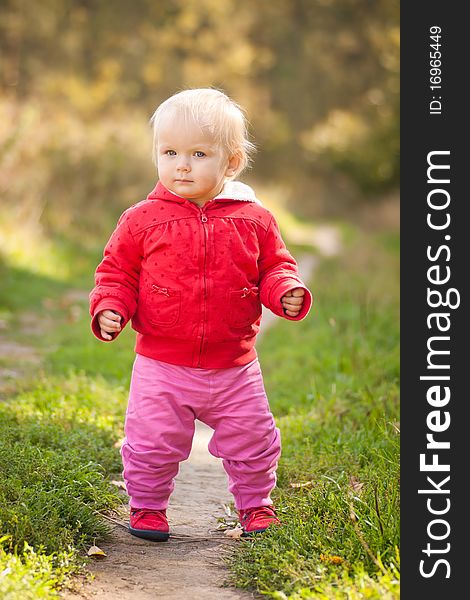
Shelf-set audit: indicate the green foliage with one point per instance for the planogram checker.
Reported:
(59, 433)
(81, 175)
(29, 575)
(56, 447)
(22, 290)
(78, 346)
(331, 358)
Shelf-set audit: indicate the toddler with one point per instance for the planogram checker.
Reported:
(190, 266)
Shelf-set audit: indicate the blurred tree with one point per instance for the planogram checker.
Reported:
(334, 87)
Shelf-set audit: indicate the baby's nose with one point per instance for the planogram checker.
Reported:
(183, 164)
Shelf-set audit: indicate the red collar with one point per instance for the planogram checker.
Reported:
(160, 192)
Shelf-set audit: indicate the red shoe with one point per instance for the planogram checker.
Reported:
(149, 524)
(256, 520)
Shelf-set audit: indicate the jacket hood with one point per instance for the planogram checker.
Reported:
(232, 190)
(236, 190)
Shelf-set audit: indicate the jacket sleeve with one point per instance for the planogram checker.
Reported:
(279, 274)
(117, 278)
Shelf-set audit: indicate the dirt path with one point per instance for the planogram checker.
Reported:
(16, 359)
(190, 564)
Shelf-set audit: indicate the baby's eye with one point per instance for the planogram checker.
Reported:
(170, 153)
(199, 154)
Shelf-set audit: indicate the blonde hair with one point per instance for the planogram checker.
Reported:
(213, 111)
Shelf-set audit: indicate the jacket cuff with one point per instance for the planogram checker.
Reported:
(280, 290)
(108, 304)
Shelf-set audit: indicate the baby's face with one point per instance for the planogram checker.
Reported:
(190, 163)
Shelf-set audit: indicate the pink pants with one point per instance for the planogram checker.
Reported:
(165, 400)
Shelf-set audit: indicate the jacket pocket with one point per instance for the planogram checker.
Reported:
(244, 307)
(163, 304)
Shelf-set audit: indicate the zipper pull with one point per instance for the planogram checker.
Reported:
(203, 218)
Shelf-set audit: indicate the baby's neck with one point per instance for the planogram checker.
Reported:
(200, 203)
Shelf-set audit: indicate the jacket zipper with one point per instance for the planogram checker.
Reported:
(204, 285)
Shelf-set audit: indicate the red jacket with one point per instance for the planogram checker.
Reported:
(193, 279)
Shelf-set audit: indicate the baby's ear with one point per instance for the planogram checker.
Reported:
(233, 165)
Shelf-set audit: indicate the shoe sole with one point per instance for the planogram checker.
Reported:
(149, 534)
(250, 533)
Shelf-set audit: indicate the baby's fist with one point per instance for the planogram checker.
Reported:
(109, 322)
(292, 301)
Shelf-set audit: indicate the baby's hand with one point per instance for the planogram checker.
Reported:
(292, 301)
(109, 322)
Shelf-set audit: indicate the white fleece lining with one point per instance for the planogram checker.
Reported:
(236, 190)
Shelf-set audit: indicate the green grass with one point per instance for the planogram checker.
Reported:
(333, 384)
(60, 430)
(332, 381)
(56, 452)
(31, 575)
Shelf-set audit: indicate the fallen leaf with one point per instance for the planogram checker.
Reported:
(234, 533)
(96, 552)
(301, 485)
(227, 509)
(334, 560)
(119, 484)
(355, 484)
(223, 525)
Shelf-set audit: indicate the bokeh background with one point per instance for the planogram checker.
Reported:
(79, 80)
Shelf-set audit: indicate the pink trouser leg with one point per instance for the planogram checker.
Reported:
(245, 435)
(159, 429)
